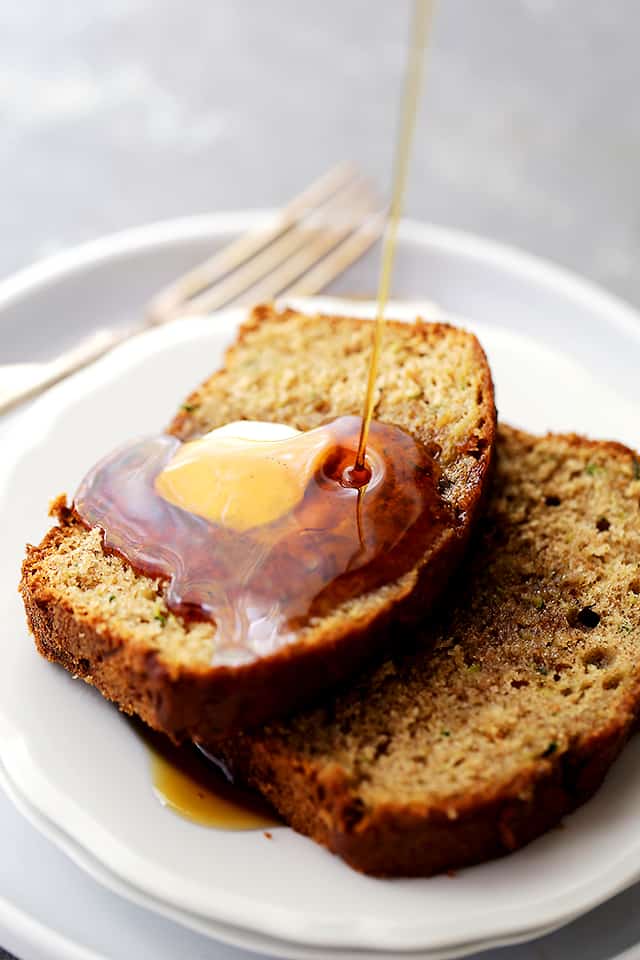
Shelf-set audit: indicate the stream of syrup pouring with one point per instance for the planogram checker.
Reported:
(422, 17)
(181, 781)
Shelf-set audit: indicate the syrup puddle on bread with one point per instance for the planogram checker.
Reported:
(291, 540)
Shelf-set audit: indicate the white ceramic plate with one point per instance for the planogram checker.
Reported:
(41, 890)
(238, 937)
(564, 356)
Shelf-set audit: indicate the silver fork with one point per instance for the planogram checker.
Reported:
(312, 241)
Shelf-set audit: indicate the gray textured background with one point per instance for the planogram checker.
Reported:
(117, 112)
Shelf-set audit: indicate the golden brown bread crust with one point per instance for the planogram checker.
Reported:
(185, 699)
(410, 841)
(321, 781)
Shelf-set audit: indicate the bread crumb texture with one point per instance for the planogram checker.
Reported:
(433, 382)
(532, 663)
(104, 591)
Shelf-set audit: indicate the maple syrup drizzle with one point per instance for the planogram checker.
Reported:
(421, 20)
(262, 584)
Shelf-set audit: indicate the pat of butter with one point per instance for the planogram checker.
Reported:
(245, 474)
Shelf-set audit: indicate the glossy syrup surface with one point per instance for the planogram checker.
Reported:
(420, 26)
(261, 584)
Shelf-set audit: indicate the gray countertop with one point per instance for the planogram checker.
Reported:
(117, 113)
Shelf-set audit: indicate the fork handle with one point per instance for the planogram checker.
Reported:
(72, 360)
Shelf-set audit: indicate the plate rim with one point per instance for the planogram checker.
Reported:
(166, 233)
(162, 233)
(29, 930)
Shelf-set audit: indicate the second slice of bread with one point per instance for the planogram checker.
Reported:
(104, 622)
(516, 699)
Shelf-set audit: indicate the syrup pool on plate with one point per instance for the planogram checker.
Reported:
(197, 790)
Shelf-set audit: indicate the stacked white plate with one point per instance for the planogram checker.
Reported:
(564, 357)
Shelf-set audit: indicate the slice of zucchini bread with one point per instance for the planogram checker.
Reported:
(512, 705)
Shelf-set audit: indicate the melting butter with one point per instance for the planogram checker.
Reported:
(245, 474)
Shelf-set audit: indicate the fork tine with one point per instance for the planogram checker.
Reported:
(308, 234)
(350, 250)
(166, 303)
(304, 244)
(312, 253)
